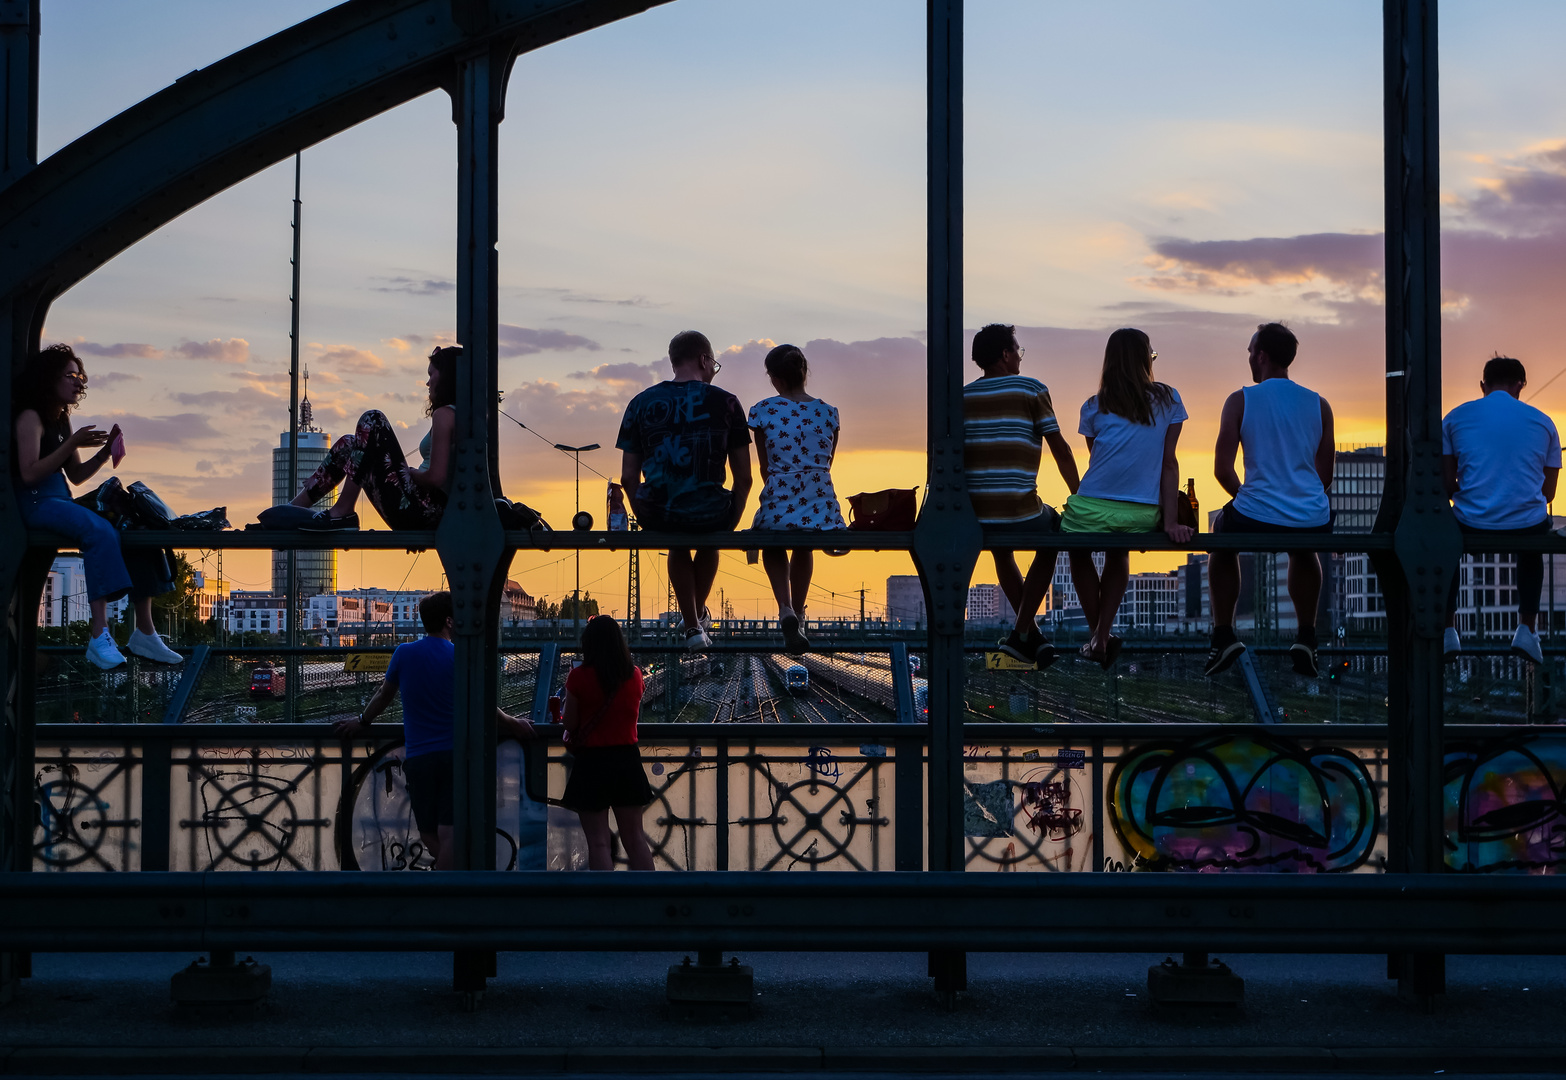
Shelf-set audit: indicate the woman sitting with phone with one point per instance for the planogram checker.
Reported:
(47, 456)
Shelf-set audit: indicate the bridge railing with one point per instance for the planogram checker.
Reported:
(799, 798)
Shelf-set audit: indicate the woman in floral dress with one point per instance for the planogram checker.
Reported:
(796, 437)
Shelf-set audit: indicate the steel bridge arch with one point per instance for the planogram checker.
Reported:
(219, 125)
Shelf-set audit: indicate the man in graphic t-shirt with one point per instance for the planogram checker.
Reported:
(1007, 419)
(677, 438)
(1501, 459)
(424, 671)
(1286, 433)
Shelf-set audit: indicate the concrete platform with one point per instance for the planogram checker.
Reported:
(593, 1013)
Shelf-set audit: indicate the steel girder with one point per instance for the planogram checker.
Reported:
(772, 911)
(1427, 545)
(220, 124)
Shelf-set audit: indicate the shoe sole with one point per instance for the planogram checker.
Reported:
(1304, 661)
(1043, 661)
(1230, 654)
(1018, 654)
(1527, 656)
(178, 659)
(328, 528)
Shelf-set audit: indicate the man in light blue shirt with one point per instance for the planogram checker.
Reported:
(1500, 460)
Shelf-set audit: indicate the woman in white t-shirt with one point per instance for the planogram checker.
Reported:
(1132, 425)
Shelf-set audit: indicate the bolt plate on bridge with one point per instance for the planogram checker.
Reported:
(203, 984)
(709, 991)
(1204, 983)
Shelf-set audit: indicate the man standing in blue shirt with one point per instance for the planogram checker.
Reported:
(424, 671)
(1500, 459)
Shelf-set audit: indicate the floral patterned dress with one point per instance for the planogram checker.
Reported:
(800, 438)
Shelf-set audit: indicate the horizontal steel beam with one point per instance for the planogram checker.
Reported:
(664, 734)
(387, 539)
(761, 911)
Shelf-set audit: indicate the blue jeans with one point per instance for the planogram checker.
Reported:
(48, 507)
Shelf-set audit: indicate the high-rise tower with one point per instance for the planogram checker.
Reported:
(317, 569)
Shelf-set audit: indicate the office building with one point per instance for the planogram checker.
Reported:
(905, 601)
(988, 606)
(317, 570)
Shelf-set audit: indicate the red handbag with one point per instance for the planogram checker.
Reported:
(891, 510)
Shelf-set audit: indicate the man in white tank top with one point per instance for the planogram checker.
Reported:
(1286, 433)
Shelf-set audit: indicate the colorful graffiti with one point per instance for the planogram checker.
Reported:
(1504, 806)
(1243, 802)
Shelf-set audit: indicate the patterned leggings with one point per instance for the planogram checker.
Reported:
(372, 458)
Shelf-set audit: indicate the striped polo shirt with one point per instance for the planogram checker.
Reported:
(1005, 419)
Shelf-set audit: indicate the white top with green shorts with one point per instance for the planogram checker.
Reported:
(1119, 493)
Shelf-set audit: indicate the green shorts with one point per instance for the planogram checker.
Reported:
(1087, 514)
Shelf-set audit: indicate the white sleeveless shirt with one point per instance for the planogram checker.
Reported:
(1279, 434)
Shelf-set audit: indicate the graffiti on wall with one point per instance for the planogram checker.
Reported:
(1243, 802)
(1503, 805)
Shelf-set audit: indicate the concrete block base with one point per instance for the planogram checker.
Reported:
(1198, 981)
(222, 984)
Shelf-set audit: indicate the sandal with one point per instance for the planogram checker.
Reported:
(1111, 652)
(1087, 653)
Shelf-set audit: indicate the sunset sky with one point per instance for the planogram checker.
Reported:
(756, 171)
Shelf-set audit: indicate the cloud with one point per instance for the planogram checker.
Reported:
(163, 431)
(635, 375)
(203, 466)
(113, 378)
(353, 361)
(119, 349)
(522, 341)
(1227, 267)
(232, 351)
(629, 301)
(1526, 198)
(246, 401)
(415, 286)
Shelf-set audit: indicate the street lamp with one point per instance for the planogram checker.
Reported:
(580, 521)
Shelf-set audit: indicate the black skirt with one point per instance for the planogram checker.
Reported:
(605, 776)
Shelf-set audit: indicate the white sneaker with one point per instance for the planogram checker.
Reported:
(1451, 645)
(706, 620)
(1525, 643)
(696, 638)
(102, 651)
(151, 647)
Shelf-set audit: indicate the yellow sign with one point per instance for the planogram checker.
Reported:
(999, 661)
(367, 661)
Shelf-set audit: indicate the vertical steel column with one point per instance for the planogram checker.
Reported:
(470, 539)
(21, 319)
(19, 24)
(947, 538)
(1426, 542)
(291, 582)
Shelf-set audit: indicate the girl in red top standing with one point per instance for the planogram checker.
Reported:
(602, 699)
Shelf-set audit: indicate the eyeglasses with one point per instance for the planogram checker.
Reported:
(1152, 355)
(716, 366)
(77, 377)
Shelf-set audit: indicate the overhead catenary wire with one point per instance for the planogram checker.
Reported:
(551, 444)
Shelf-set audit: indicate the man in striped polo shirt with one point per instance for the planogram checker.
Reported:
(1008, 417)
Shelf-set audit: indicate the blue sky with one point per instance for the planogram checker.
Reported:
(755, 170)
